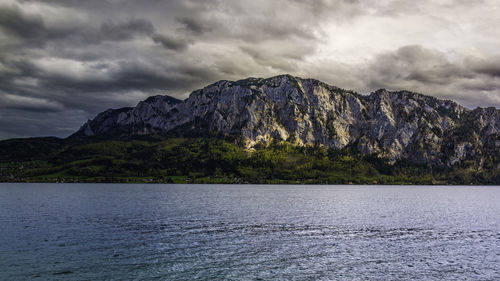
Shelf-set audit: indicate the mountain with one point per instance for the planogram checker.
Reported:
(282, 129)
(391, 125)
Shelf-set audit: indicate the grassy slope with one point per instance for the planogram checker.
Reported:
(209, 161)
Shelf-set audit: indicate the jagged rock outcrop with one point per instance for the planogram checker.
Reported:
(392, 125)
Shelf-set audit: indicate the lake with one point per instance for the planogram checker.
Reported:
(248, 232)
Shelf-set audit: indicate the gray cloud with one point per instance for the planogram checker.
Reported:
(194, 25)
(170, 43)
(63, 61)
(16, 23)
(489, 67)
(470, 81)
(413, 64)
(30, 29)
(29, 103)
(126, 30)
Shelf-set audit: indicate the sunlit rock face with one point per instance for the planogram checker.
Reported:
(391, 125)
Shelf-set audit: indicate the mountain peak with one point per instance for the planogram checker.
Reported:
(165, 98)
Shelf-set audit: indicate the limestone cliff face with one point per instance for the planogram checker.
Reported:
(392, 125)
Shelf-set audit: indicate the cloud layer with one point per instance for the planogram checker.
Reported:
(63, 61)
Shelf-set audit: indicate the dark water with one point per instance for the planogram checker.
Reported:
(248, 232)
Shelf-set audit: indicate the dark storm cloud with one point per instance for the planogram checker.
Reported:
(490, 67)
(194, 25)
(14, 22)
(33, 28)
(126, 30)
(470, 81)
(107, 31)
(29, 103)
(169, 42)
(63, 61)
(30, 28)
(413, 64)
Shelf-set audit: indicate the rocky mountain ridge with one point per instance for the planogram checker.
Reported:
(392, 125)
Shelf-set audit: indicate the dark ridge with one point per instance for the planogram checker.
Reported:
(29, 148)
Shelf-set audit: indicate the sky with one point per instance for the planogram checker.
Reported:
(64, 61)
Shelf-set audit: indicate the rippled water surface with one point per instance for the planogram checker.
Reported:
(248, 232)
